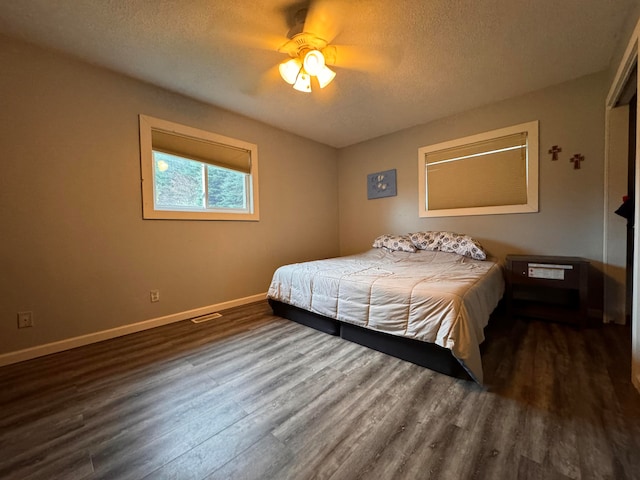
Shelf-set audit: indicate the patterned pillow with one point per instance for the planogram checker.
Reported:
(449, 242)
(425, 240)
(394, 242)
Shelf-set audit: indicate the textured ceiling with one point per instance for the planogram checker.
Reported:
(399, 63)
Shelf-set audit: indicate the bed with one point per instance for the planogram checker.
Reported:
(408, 296)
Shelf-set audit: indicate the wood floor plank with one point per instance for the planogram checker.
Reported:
(502, 432)
(151, 423)
(211, 454)
(250, 395)
(332, 432)
(175, 446)
(261, 460)
(530, 470)
(221, 448)
(400, 437)
(47, 465)
(36, 406)
(442, 435)
(234, 346)
(32, 435)
(75, 466)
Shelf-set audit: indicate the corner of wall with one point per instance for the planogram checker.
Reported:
(69, 343)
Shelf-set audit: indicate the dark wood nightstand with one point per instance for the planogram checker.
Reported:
(547, 287)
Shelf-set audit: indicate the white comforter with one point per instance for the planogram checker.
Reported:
(435, 297)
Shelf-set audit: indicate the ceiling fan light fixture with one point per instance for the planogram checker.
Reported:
(309, 57)
(325, 76)
(290, 69)
(313, 62)
(303, 82)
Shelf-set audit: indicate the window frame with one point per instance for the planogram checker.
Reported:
(149, 124)
(532, 169)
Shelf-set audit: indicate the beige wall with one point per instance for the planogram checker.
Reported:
(570, 220)
(74, 248)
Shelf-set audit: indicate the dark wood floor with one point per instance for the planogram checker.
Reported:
(251, 395)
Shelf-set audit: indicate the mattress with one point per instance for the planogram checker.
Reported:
(430, 296)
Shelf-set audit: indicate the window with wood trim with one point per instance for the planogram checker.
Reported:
(191, 174)
(489, 173)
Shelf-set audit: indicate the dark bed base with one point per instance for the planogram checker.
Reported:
(310, 319)
(427, 355)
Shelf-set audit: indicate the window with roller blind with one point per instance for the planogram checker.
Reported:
(490, 173)
(192, 174)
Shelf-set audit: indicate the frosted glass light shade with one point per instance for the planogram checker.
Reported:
(298, 71)
(289, 70)
(325, 76)
(303, 83)
(313, 62)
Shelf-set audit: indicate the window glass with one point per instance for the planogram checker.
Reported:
(179, 182)
(226, 189)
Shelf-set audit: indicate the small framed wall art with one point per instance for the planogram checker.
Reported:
(381, 184)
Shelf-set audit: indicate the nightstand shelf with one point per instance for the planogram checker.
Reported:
(547, 287)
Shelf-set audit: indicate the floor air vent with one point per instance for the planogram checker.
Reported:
(206, 317)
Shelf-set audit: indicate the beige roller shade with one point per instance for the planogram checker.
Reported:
(487, 173)
(217, 154)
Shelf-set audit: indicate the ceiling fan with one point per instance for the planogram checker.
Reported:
(309, 44)
(309, 47)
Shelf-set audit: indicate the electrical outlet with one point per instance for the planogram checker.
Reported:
(154, 295)
(25, 319)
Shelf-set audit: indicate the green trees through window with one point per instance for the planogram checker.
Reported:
(182, 183)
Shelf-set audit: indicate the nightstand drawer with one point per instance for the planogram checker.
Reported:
(559, 275)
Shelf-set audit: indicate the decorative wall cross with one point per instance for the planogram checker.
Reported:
(554, 152)
(576, 159)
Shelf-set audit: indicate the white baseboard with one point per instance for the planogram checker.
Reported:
(69, 343)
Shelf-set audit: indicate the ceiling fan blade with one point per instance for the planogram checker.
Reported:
(259, 41)
(358, 58)
(326, 95)
(324, 18)
(263, 83)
